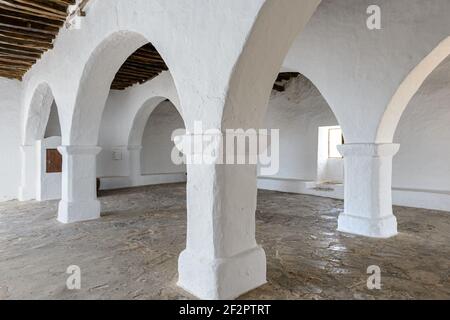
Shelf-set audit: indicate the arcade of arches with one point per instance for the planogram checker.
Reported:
(94, 111)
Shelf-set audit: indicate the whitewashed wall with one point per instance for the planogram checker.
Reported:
(157, 144)
(423, 161)
(110, 140)
(298, 113)
(10, 95)
(113, 162)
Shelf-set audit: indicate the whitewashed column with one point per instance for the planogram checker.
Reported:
(134, 153)
(368, 190)
(222, 259)
(79, 189)
(27, 189)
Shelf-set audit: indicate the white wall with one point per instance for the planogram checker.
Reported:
(157, 145)
(113, 126)
(10, 159)
(124, 118)
(113, 162)
(329, 169)
(298, 113)
(423, 161)
(110, 138)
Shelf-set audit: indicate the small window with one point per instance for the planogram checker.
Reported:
(335, 139)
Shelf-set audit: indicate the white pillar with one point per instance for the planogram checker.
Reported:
(222, 259)
(79, 192)
(368, 190)
(135, 164)
(27, 189)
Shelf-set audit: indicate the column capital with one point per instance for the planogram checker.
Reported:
(374, 150)
(79, 150)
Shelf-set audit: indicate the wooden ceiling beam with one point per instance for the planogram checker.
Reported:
(143, 65)
(17, 48)
(28, 18)
(27, 30)
(26, 43)
(28, 25)
(10, 51)
(13, 69)
(25, 35)
(36, 7)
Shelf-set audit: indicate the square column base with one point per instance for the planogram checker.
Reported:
(70, 212)
(385, 227)
(222, 279)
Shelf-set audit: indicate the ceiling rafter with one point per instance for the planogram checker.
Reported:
(143, 65)
(27, 30)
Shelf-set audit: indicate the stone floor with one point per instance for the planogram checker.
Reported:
(131, 253)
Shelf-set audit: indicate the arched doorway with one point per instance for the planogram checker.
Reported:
(49, 163)
(41, 161)
(150, 144)
(308, 154)
(157, 146)
(120, 61)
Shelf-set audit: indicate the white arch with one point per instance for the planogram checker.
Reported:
(135, 99)
(83, 62)
(37, 113)
(141, 119)
(136, 105)
(95, 84)
(261, 60)
(360, 78)
(408, 89)
(135, 144)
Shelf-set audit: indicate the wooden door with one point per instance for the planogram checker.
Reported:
(54, 161)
